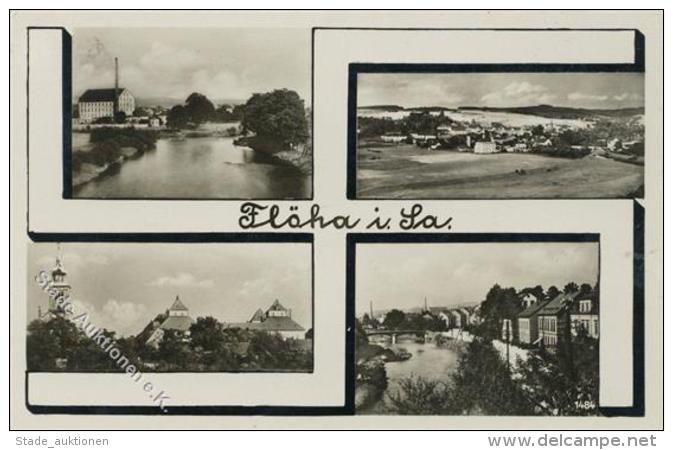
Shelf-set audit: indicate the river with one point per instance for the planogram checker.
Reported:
(427, 361)
(199, 168)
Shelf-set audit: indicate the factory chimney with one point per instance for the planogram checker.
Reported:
(116, 96)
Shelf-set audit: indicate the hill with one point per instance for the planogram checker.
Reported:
(389, 108)
(559, 112)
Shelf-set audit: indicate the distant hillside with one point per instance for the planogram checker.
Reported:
(418, 309)
(167, 102)
(396, 108)
(387, 108)
(559, 112)
(430, 108)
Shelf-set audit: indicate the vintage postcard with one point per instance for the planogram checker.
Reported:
(380, 220)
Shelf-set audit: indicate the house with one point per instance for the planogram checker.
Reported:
(98, 103)
(528, 299)
(528, 320)
(485, 147)
(615, 145)
(520, 147)
(177, 319)
(457, 319)
(393, 137)
(276, 319)
(551, 319)
(584, 315)
(510, 326)
(444, 131)
(475, 318)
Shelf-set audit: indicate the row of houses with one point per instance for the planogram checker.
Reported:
(454, 317)
(545, 321)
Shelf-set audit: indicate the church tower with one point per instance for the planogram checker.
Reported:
(59, 290)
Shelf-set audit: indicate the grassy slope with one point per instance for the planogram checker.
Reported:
(408, 172)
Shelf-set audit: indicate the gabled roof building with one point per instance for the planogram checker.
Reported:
(177, 319)
(276, 319)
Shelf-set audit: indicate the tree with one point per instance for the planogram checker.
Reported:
(277, 118)
(482, 384)
(206, 333)
(177, 117)
(501, 303)
(394, 318)
(173, 350)
(585, 289)
(141, 112)
(42, 348)
(552, 292)
(553, 390)
(199, 108)
(420, 396)
(570, 288)
(120, 117)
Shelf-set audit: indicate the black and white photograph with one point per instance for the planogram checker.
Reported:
(500, 135)
(169, 307)
(478, 328)
(191, 113)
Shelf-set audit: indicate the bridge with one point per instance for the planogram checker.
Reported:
(394, 333)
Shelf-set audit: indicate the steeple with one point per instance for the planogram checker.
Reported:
(177, 308)
(59, 285)
(115, 105)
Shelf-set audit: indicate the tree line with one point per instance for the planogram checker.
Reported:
(59, 345)
(276, 118)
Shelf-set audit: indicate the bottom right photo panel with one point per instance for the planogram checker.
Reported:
(485, 325)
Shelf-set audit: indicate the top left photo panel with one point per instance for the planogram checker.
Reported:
(188, 113)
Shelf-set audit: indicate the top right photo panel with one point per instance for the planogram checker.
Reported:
(497, 134)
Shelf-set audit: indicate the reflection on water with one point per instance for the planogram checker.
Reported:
(208, 167)
(427, 361)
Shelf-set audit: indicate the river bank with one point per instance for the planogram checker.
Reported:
(105, 149)
(91, 161)
(379, 376)
(300, 157)
(186, 168)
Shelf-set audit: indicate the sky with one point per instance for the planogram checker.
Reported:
(582, 90)
(125, 285)
(225, 64)
(401, 275)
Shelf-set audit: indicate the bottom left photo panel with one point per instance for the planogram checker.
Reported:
(164, 307)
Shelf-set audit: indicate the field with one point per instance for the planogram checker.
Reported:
(406, 171)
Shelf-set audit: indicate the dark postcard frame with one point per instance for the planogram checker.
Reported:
(356, 68)
(194, 238)
(67, 189)
(638, 407)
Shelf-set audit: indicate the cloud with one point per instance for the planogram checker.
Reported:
(182, 279)
(164, 71)
(124, 314)
(125, 318)
(579, 96)
(519, 94)
(628, 96)
(72, 261)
